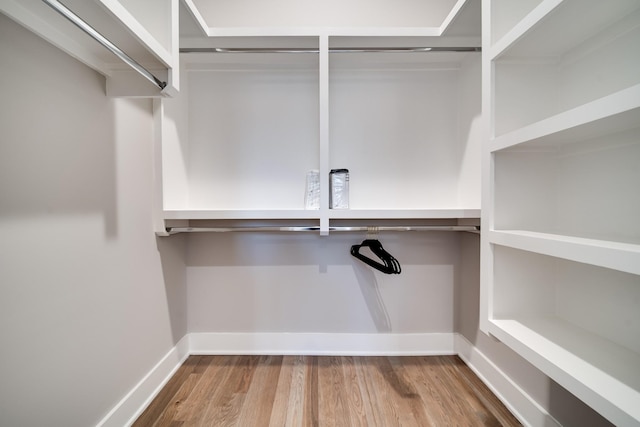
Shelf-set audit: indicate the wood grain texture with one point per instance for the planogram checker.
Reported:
(325, 391)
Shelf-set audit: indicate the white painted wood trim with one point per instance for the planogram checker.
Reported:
(452, 15)
(521, 405)
(119, 12)
(205, 343)
(141, 395)
(338, 344)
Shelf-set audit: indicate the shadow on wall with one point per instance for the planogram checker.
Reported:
(372, 297)
(172, 256)
(55, 159)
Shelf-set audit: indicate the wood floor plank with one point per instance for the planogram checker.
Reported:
(286, 382)
(332, 400)
(354, 395)
(311, 395)
(173, 391)
(403, 395)
(295, 405)
(224, 407)
(492, 405)
(325, 391)
(260, 396)
(191, 412)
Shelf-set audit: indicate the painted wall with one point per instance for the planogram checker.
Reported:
(90, 301)
(307, 283)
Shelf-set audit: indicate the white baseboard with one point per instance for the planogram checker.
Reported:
(521, 405)
(518, 401)
(132, 405)
(322, 344)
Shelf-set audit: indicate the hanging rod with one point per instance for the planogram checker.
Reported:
(78, 22)
(469, 228)
(331, 50)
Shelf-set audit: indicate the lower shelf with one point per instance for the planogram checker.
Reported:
(603, 253)
(603, 374)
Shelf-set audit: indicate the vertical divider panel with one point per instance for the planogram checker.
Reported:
(324, 133)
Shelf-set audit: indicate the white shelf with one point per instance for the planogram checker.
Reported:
(149, 37)
(202, 214)
(560, 248)
(213, 214)
(403, 213)
(617, 112)
(614, 255)
(545, 32)
(604, 375)
(223, 18)
(505, 14)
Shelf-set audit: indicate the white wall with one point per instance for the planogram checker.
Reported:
(307, 283)
(90, 301)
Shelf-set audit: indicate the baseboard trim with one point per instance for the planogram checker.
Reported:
(322, 344)
(134, 403)
(521, 405)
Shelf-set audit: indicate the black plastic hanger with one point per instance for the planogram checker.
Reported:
(390, 265)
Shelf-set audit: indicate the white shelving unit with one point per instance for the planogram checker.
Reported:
(561, 241)
(239, 139)
(146, 30)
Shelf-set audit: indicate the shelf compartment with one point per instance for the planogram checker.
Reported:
(407, 127)
(604, 375)
(506, 14)
(586, 189)
(577, 322)
(611, 114)
(242, 135)
(535, 84)
(613, 255)
(544, 31)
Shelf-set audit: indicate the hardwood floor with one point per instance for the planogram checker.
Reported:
(325, 391)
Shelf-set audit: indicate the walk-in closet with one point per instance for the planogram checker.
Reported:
(320, 213)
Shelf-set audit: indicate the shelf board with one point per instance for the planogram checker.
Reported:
(203, 214)
(603, 253)
(137, 42)
(617, 112)
(606, 376)
(544, 31)
(403, 213)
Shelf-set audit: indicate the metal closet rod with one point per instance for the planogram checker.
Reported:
(331, 50)
(469, 228)
(80, 23)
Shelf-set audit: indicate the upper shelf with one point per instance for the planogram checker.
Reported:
(145, 30)
(617, 112)
(544, 32)
(335, 17)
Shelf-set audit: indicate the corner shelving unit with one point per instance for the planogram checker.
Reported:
(237, 143)
(561, 240)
